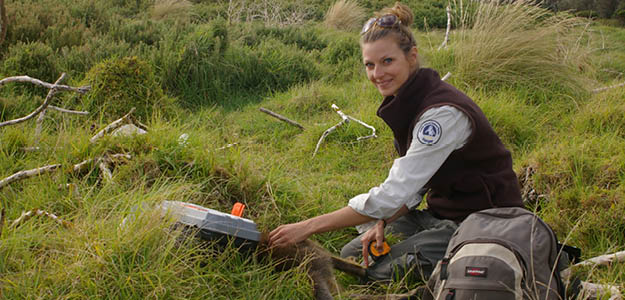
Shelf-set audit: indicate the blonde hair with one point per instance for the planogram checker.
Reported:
(401, 33)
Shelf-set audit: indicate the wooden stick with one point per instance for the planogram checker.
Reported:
(114, 125)
(63, 110)
(43, 106)
(50, 168)
(281, 117)
(345, 119)
(28, 173)
(444, 44)
(608, 87)
(80, 90)
(38, 212)
(106, 172)
(595, 291)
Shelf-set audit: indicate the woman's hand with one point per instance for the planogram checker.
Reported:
(374, 233)
(288, 234)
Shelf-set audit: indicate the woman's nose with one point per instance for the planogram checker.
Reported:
(378, 72)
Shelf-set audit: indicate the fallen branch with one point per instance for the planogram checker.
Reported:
(51, 92)
(59, 87)
(446, 76)
(38, 212)
(604, 260)
(444, 44)
(106, 172)
(597, 291)
(345, 119)
(114, 125)
(27, 174)
(608, 87)
(281, 117)
(227, 146)
(68, 111)
(50, 168)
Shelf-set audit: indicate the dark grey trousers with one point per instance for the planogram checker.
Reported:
(424, 240)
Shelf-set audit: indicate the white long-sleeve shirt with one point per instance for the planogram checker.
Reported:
(439, 131)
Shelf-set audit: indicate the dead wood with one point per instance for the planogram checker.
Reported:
(53, 89)
(38, 212)
(27, 174)
(281, 117)
(114, 125)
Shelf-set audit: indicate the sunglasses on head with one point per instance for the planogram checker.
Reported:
(385, 21)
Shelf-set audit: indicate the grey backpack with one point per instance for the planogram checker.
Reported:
(499, 254)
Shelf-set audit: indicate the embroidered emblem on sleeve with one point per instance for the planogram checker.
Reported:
(430, 132)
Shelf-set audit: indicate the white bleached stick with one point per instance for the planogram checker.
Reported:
(444, 44)
(114, 125)
(53, 89)
(345, 119)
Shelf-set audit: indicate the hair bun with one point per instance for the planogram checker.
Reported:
(403, 12)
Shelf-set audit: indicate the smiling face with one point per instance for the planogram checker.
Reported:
(387, 66)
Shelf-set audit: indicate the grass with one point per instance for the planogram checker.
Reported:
(574, 141)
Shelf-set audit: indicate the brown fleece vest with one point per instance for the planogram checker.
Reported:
(475, 177)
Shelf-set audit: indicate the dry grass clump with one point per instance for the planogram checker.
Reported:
(345, 15)
(170, 8)
(521, 43)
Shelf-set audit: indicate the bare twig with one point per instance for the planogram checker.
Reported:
(281, 117)
(446, 76)
(608, 87)
(42, 115)
(107, 175)
(596, 291)
(38, 212)
(114, 125)
(50, 168)
(67, 111)
(605, 259)
(227, 146)
(27, 174)
(345, 119)
(53, 89)
(59, 87)
(444, 44)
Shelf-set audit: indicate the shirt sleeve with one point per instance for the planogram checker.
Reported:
(439, 131)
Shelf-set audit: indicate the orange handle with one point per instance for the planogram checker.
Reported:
(237, 209)
(375, 254)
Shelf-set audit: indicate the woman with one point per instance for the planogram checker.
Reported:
(447, 149)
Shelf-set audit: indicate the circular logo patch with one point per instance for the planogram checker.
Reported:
(430, 132)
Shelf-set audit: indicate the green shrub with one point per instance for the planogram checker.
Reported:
(304, 37)
(77, 60)
(429, 14)
(590, 14)
(117, 85)
(207, 71)
(34, 59)
(143, 30)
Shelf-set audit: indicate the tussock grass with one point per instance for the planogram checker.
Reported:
(520, 44)
(345, 15)
(171, 9)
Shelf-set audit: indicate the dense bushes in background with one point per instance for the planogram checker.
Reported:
(119, 84)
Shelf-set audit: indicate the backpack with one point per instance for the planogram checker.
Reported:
(499, 254)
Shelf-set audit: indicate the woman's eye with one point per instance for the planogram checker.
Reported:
(388, 60)
(368, 65)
